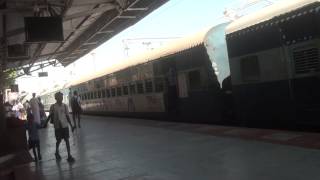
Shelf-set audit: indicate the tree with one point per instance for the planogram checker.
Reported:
(7, 78)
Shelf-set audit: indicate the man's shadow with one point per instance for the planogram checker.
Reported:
(67, 173)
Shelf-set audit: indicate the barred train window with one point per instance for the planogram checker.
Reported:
(125, 90)
(119, 92)
(103, 93)
(140, 88)
(132, 89)
(99, 94)
(113, 92)
(108, 92)
(159, 85)
(250, 69)
(149, 86)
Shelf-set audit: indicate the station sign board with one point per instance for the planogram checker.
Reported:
(43, 74)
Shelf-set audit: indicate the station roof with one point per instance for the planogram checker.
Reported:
(268, 13)
(86, 25)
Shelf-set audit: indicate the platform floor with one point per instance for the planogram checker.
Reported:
(110, 148)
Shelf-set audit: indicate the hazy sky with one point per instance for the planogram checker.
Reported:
(177, 18)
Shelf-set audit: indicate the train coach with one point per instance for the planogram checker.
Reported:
(275, 63)
(264, 66)
(181, 81)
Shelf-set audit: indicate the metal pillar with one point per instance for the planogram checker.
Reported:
(3, 64)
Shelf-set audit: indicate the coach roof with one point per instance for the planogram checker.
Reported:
(172, 48)
(268, 13)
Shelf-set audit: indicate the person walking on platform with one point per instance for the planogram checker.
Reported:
(26, 106)
(59, 115)
(34, 105)
(43, 115)
(76, 108)
(34, 140)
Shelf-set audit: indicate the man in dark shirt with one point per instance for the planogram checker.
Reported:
(76, 108)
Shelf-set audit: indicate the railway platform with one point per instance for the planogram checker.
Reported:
(134, 149)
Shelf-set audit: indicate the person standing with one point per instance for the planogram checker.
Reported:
(34, 140)
(76, 108)
(34, 105)
(59, 115)
(26, 106)
(43, 115)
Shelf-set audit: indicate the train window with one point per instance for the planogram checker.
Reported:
(250, 68)
(125, 90)
(113, 92)
(95, 95)
(103, 93)
(99, 94)
(194, 80)
(85, 96)
(140, 88)
(119, 91)
(91, 95)
(159, 86)
(108, 92)
(132, 89)
(149, 86)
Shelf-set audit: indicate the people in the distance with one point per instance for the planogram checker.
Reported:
(76, 108)
(34, 105)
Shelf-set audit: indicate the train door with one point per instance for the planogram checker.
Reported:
(306, 81)
(182, 85)
(301, 36)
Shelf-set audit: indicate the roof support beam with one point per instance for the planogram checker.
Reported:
(127, 17)
(137, 9)
(105, 32)
(86, 13)
(92, 3)
(89, 43)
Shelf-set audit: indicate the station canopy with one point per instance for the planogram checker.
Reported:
(47, 31)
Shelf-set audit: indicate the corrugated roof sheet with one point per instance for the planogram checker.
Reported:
(172, 48)
(86, 25)
(267, 14)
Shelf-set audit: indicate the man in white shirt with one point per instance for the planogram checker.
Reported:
(59, 115)
(34, 104)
